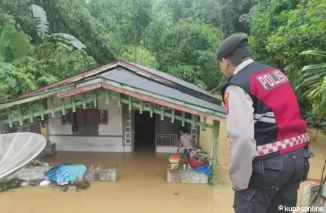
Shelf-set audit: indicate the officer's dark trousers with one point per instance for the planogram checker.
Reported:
(274, 183)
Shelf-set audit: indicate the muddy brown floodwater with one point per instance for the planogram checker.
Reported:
(141, 187)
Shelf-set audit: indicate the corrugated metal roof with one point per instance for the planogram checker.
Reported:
(174, 79)
(131, 79)
(165, 78)
(174, 82)
(72, 79)
(140, 77)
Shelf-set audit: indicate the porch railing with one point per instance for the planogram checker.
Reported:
(167, 140)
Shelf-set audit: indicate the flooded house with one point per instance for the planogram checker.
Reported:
(119, 107)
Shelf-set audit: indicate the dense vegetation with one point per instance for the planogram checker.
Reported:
(42, 41)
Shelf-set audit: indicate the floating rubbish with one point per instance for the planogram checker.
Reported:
(45, 183)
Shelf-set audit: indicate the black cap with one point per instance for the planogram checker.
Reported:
(236, 45)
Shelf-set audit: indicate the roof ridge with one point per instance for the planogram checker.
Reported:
(153, 74)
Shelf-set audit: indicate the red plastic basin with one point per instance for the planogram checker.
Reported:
(195, 164)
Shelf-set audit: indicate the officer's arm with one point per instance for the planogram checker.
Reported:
(240, 124)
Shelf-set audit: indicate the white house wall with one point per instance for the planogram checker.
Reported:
(110, 137)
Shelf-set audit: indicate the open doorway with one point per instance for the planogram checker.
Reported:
(144, 132)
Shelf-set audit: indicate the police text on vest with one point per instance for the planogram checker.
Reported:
(272, 79)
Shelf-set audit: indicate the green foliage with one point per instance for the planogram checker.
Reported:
(42, 28)
(66, 39)
(140, 55)
(20, 46)
(185, 72)
(282, 29)
(15, 79)
(45, 41)
(148, 32)
(32, 66)
(63, 62)
(76, 19)
(7, 184)
(13, 44)
(5, 39)
(313, 79)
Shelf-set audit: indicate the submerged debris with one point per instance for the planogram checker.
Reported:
(7, 184)
(75, 185)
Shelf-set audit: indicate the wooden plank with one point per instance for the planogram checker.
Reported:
(193, 125)
(63, 106)
(30, 112)
(156, 111)
(170, 100)
(119, 100)
(217, 133)
(95, 99)
(9, 117)
(84, 100)
(48, 111)
(162, 113)
(214, 149)
(130, 103)
(52, 106)
(183, 119)
(141, 107)
(159, 101)
(107, 96)
(42, 110)
(79, 90)
(123, 100)
(169, 115)
(146, 96)
(205, 123)
(214, 138)
(151, 110)
(73, 103)
(20, 115)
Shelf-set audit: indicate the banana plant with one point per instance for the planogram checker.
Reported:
(313, 79)
(42, 29)
(15, 65)
(13, 44)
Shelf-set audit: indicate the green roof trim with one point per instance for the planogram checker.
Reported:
(182, 103)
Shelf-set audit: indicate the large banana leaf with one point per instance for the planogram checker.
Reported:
(42, 28)
(20, 46)
(67, 40)
(314, 66)
(314, 52)
(313, 79)
(8, 30)
(42, 24)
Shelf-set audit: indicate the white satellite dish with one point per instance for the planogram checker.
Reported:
(18, 149)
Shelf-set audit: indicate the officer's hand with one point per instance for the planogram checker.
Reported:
(236, 188)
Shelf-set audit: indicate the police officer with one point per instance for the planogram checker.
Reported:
(268, 139)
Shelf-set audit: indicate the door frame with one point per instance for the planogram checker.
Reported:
(133, 121)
